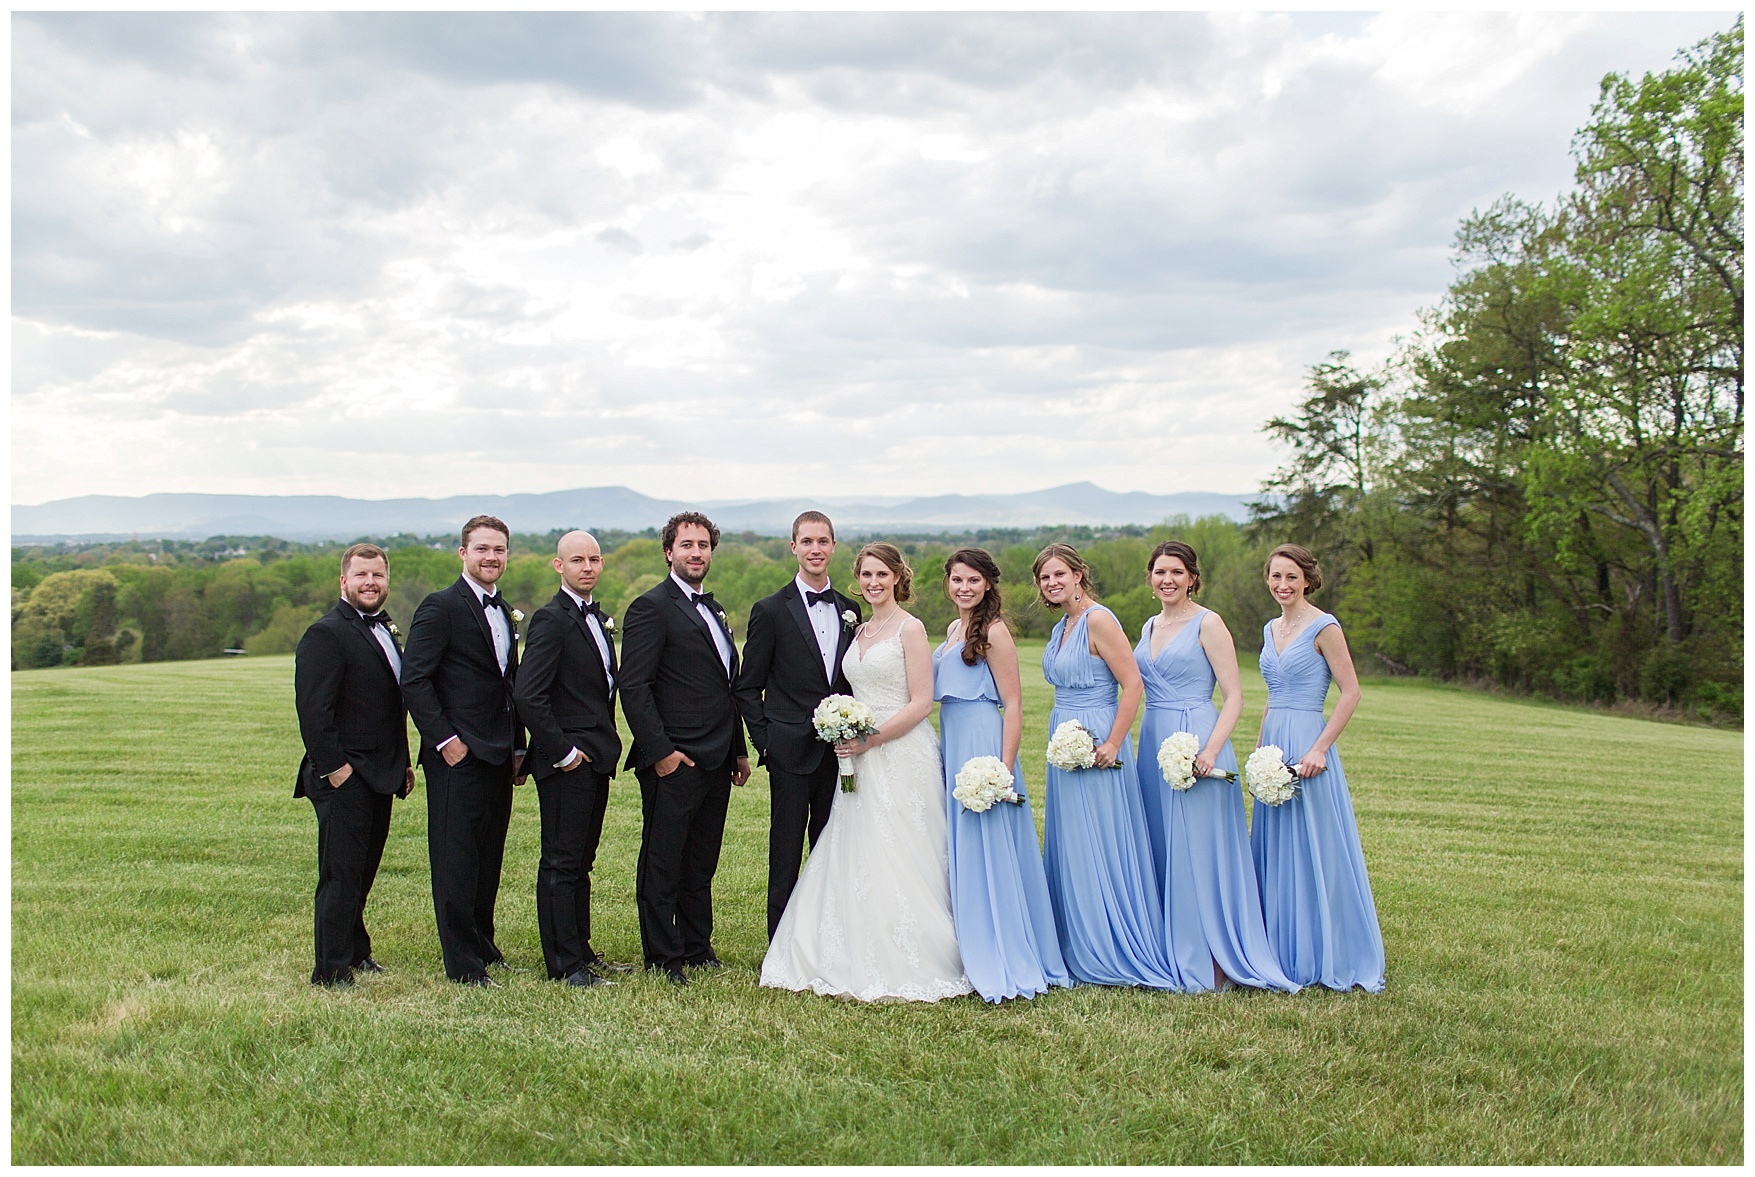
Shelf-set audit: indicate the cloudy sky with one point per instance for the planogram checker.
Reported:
(738, 256)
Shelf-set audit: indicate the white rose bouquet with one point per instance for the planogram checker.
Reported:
(839, 718)
(983, 782)
(1269, 778)
(1072, 747)
(1176, 761)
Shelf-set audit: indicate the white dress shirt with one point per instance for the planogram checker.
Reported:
(498, 621)
(382, 633)
(720, 641)
(596, 633)
(825, 622)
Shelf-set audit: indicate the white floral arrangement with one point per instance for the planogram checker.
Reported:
(394, 632)
(1269, 778)
(983, 782)
(1176, 761)
(839, 718)
(608, 623)
(1072, 747)
(518, 616)
(849, 618)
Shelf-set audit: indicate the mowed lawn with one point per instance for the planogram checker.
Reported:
(1561, 894)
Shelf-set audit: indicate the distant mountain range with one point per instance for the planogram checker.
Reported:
(329, 517)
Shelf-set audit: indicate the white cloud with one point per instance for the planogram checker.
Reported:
(741, 255)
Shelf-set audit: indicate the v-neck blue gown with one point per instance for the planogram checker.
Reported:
(999, 891)
(1212, 907)
(1096, 849)
(1315, 894)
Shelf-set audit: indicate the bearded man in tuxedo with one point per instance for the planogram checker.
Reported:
(458, 673)
(679, 665)
(355, 732)
(566, 697)
(791, 661)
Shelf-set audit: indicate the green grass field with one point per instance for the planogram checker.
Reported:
(1561, 895)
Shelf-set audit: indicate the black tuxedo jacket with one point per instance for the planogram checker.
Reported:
(349, 704)
(782, 679)
(452, 681)
(563, 692)
(675, 692)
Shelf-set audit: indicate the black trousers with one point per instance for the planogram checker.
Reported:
(353, 823)
(573, 805)
(469, 806)
(684, 824)
(799, 804)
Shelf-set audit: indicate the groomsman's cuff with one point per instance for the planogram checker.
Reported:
(573, 754)
(333, 771)
(441, 744)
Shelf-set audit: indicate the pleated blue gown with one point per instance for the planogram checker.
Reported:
(1096, 848)
(1212, 907)
(999, 890)
(1315, 894)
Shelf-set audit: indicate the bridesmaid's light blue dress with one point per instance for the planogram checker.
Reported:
(1097, 851)
(1315, 894)
(999, 891)
(1212, 907)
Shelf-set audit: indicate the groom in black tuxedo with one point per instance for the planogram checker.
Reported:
(791, 661)
(566, 697)
(356, 755)
(458, 673)
(679, 665)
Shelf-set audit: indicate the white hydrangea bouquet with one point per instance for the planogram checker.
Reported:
(983, 782)
(1176, 761)
(1072, 747)
(1269, 778)
(839, 718)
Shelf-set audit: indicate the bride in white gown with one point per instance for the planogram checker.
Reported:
(870, 918)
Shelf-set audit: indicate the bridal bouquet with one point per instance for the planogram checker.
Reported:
(1176, 761)
(1270, 779)
(1072, 747)
(840, 718)
(982, 782)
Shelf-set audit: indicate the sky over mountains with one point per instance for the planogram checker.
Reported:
(735, 255)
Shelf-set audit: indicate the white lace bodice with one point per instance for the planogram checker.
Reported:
(880, 679)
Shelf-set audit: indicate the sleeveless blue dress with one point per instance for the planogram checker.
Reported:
(1097, 851)
(1212, 907)
(1315, 894)
(999, 891)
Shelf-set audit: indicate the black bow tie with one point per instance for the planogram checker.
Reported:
(494, 602)
(704, 599)
(379, 618)
(826, 597)
(591, 609)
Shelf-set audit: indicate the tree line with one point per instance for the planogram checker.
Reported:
(1542, 488)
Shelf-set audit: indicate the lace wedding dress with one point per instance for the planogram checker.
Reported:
(870, 918)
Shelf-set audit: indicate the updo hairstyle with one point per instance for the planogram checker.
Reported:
(890, 556)
(1302, 557)
(1180, 550)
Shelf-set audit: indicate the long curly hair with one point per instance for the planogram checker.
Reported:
(987, 610)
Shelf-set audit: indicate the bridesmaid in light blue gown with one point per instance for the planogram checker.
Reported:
(1315, 894)
(1212, 908)
(999, 891)
(1097, 851)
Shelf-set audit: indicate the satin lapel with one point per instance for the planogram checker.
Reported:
(474, 605)
(694, 614)
(566, 603)
(359, 626)
(845, 641)
(795, 606)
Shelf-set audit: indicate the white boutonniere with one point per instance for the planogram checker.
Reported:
(722, 621)
(518, 616)
(849, 618)
(394, 632)
(608, 624)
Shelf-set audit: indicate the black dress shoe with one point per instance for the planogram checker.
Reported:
(338, 981)
(499, 962)
(602, 965)
(712, 962)
(368, 965)
(675, 977)
(584, 978)
(482, 982)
